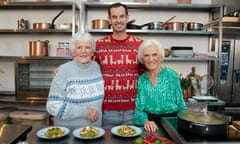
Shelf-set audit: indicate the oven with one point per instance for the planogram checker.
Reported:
(170, 124)
(34, 76)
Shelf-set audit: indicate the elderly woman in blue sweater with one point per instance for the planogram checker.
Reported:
(77, 91)
(159, 91)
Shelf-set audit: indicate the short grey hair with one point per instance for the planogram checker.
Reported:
(147, 43)
(83, 37)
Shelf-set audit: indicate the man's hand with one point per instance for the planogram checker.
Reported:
(55, 72)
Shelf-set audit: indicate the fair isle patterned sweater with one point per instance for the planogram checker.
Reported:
(75, 88)
(120, 69)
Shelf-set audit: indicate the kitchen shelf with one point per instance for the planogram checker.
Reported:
(30, 31)
(157, 6)
(189, 59)
(37, 5)
(198, 33)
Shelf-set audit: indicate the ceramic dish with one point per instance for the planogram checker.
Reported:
(115, 129)
(41, 132)
(76, 133)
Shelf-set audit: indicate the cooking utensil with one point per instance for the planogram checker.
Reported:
(64, 26)
(100, 24)
(184, 1)
(174, 26)
(45, 26)
(23, 24)
(130, 25)
(194, 26)
(38, 48)
(202, 122)
(158, 25)
(206, 82)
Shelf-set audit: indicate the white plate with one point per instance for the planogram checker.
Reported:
(76, 133)
(41, 132)
(137, 129)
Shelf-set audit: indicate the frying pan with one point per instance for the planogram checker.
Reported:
(159, 25)
(151, 25)
(45, 26)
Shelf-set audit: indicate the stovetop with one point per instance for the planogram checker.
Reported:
(232, 136)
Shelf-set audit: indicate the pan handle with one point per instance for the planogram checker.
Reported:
(53, 21)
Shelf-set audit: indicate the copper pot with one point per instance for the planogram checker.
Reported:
(42, 26)
(184, 1)
(100, 24)
(38, 48)
(46, 26)
(175, 26)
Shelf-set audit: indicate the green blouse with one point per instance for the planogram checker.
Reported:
(165, 97)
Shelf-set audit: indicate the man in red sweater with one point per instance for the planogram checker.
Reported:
(117, 56)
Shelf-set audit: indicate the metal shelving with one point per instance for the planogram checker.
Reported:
(37, 5)
(198, 33)
(42, 5)
(31, 31)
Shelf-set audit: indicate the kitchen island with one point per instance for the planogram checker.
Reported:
(168, 130)
(108, 138)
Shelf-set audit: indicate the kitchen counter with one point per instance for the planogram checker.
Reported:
(108, 138)
(12, 133)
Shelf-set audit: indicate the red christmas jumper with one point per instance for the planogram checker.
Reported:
(120, 69)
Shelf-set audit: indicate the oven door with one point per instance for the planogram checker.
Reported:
(34, 77)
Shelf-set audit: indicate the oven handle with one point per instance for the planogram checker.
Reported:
(237, 74)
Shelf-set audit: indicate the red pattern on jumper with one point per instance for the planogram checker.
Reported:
(120, 69)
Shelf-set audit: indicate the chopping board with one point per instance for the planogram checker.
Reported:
(236, 124)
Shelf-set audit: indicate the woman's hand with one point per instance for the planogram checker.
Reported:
(150, 126)
(92, 114)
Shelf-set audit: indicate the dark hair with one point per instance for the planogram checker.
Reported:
(115, 5)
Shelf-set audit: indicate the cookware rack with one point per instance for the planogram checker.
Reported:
(39, 6)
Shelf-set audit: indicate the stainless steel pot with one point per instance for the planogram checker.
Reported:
(194, 26)
(202, 123)
(159, 25)
(38, 48)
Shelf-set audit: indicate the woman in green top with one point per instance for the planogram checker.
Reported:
(159, 92)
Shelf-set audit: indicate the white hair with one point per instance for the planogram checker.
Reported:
(83, 37)
(147, 43)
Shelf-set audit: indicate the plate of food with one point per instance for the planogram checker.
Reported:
(53, 132)
(126, 131)
(88, 132)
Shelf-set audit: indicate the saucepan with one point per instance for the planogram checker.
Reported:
(159, 25)
(203, 122)
(45, 26)
(194, 26)
(176, 26)
(100, 24)
(152, 25)
(38, 48)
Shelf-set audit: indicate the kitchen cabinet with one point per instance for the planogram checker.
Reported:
(35, 12)
(202, 41)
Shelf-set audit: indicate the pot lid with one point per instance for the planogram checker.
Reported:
(211, 118)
